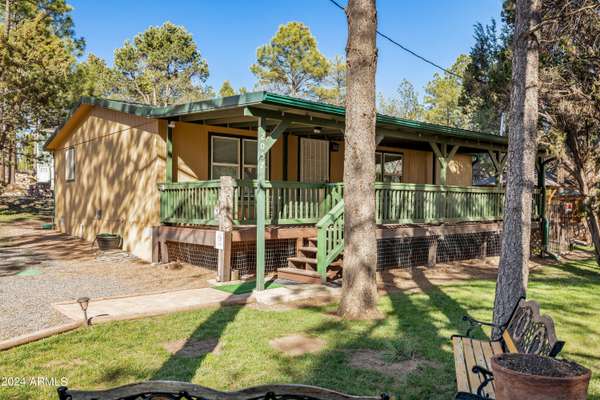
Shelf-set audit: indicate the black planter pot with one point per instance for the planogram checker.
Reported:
(109, 241)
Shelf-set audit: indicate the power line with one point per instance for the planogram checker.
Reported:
(338, 5)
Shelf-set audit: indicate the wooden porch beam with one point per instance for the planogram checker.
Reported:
(426, 137)
(276, 133)
(169, 155)
(293, 118)
(452, 152)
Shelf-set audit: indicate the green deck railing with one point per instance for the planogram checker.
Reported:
(405, 203)
(290, 203)
(189, 203)
(330, 238)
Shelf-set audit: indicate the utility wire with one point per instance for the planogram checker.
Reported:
(338, 5)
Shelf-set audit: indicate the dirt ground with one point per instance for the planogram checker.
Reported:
(40, 267)
(25, 245)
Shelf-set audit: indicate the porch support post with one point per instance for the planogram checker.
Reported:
(499, 162)
(443, 158)
(260, 197)
(226, 226)
(169, 155)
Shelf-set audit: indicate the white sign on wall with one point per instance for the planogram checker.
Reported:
(219, 240)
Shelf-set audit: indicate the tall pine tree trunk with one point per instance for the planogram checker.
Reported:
(2, 166)
(582, 176)
(513, 270)
(359, 290)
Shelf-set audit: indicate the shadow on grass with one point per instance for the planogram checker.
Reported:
(421, 323)
(182, 366)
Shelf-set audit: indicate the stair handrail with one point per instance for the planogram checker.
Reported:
(330, 238)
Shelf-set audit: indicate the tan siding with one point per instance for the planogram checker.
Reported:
(336, 165)
(117, 168)
(460, 171)
(293, 158)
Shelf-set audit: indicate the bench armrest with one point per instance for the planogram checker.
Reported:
(473, 323)
(488, 377)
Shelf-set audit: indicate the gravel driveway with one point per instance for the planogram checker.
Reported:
(39, 267)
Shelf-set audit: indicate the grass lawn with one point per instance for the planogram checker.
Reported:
(245, 287)
(123, 352)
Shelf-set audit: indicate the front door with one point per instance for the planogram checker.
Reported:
(314, 160)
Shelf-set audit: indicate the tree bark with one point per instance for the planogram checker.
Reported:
(513, 270)
(580, 170)
(359, 288)
(2, 167)
(13, 158)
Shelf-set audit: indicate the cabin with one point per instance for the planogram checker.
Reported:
(252, 185)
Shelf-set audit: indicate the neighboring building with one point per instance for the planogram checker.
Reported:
(44, 172)
(151, 174)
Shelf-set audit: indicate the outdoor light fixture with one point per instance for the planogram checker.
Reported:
(83, 303)
(171, 124)
(317, 130)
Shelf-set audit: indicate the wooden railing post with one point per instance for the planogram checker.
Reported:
(225, 217)
(432, 252)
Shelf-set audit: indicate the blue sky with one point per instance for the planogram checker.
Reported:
(228, 32)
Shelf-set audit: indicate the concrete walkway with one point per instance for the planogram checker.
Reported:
(130, 307)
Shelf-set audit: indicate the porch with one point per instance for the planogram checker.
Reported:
(274, 157)
(305, 222)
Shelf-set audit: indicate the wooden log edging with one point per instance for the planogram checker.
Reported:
(38, 335)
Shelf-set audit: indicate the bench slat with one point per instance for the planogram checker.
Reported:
(462, 382)
(474, 379)
(497, 348)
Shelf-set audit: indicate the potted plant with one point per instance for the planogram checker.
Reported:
(533, 377)
(109, 241)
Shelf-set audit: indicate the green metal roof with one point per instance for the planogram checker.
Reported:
(272, 99)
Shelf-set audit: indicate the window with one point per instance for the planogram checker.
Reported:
(389, 167)
(70, 164)
(225, 157)
(234, 157)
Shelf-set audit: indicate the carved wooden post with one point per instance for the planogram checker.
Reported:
(484, 244)
(225, 214)
(432, 252)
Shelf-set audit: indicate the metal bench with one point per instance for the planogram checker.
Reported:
(526, 332)
(169, 390)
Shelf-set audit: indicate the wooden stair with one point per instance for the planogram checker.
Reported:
(303, 267)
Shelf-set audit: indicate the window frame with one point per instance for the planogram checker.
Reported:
(382, 167)
(70, 164)
(240, 155)
(221, 164)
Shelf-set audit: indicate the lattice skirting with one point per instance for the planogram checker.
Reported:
(391, 253)
(243, 255)
(203, 256)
